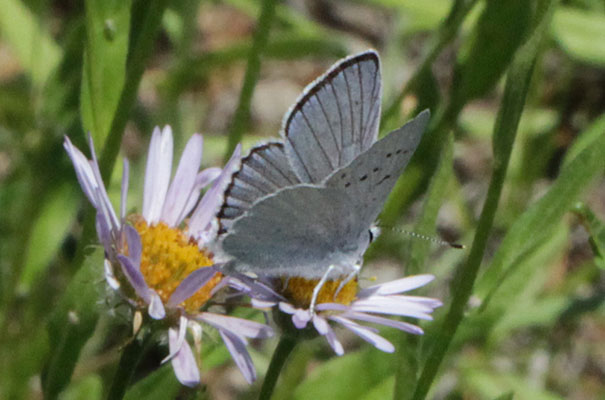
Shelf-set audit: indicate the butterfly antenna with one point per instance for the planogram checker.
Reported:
(429, 238)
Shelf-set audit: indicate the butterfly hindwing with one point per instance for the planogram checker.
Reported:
(369, 178)
(297, 231)
(335, 119)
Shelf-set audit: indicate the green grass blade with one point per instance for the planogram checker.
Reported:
(538, 220)
(242, 113)
(107, 29)
(517, 86)
(596, 230)
(72, 323)
(35, 48)
(482, 63)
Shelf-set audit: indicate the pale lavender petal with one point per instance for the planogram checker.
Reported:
(366, 334)
(103, 232)
(429, 302)
(152, 156)
(237, 348)
(103, 198)
(286, 307)
(332, 307)
(105, 210)
(157, 174)
(301, 318)
(134, 276)
(90, 180)
(389, 305)
(204, 178)
(110, 277)
(184, 181)
(213, 198)
(124, 190)
(176, 346)
(397, 286)
(183, 363)
(401, 325)
(261, 303)
(321, 325)
(238, 326)
(83, 170)
(156, 307)
(253, 288)
(191, 284)
(334, 342)
(135, 248)
(222, 284)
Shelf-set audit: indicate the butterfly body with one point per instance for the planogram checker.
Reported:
(304, 207)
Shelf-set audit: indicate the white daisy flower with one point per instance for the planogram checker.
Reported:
(158, 260)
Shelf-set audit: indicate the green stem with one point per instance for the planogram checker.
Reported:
(448, 31)
(284, 348)
(259, 43)
(131, 355)
(517, 85)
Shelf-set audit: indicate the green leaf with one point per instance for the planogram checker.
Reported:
(33, 45)
(520, 300)
(596, 230)
(48, 233)
(482, 63)
(346, 377)
(107, 29)
(530, 228)
(383, 390)
(89, 388)
(580, 34)
(487, 384)
(586, 139)
(72, 323)
(160, 384)
(506, 396)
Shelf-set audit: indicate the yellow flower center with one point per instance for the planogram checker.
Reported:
(168, 257)
(300, 291)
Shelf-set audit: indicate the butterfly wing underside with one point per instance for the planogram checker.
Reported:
(369, 179)
(263, 171)
(297, 231)
(335, 119)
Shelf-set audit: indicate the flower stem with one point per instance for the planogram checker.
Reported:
(261, 37)
(131, 355)
(284, 348)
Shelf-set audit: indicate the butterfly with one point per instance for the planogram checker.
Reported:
(304, 206)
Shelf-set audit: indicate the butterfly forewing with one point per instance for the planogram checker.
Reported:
(335, 119)
(263, 171)
(369, 179)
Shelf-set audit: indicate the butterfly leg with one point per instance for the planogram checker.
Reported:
(353, 274)
(318, 287)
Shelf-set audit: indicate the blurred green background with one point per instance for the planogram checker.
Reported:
(534, 325)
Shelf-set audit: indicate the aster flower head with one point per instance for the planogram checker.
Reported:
(157, 260)
(343, 303)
